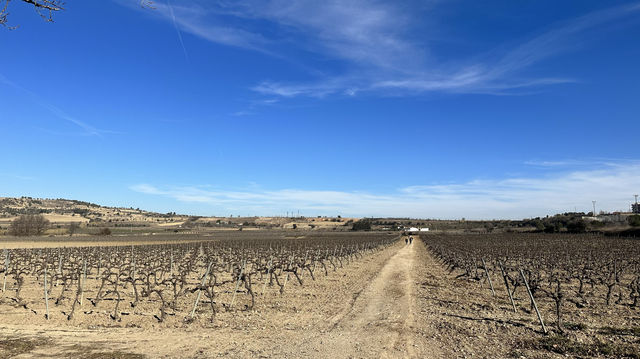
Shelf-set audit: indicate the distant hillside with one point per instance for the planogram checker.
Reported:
(61, 213)
(67, 210)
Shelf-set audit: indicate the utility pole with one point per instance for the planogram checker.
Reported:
(594, 208)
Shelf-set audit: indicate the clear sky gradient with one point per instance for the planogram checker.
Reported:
(438, 109)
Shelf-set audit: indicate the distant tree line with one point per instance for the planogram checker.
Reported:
(569, 222)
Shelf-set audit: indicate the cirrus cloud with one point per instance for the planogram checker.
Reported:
(376, 44)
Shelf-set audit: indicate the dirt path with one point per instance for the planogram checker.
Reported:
(378, 322)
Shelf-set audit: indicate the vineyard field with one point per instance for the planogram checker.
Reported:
(172, 281)
(344, 295)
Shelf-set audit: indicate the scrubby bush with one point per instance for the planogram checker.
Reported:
(577, 226)
(634, 220)
(596, 224)
(361, 225)
(73, 228)
(104, 231)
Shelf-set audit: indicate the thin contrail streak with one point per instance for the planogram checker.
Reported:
(175, 25)
(88, 129)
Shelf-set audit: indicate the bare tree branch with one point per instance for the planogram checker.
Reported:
(44, 8)
(3, 12)
(147, 4)
(52, 5)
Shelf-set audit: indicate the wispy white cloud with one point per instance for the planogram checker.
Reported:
(203, 19)
(87, 129)
(18, 176)
(593, 163)
(366, 32)
(611, 185)
(318, 90)
(242, 113)
(552, 164)
(376, 42)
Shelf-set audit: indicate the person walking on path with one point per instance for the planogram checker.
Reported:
(410, 239)
(406, 240)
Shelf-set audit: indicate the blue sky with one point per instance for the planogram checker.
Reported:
(430, 109)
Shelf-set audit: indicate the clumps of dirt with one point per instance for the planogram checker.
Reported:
(95, 352)
(575, 326)
(566, 346)
(633, 331)
(106, 355)
(12, 347)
